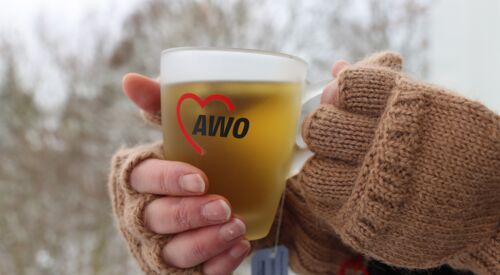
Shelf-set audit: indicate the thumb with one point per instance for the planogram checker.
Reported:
(143, 92)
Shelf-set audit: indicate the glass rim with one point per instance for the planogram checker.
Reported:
(239, 50)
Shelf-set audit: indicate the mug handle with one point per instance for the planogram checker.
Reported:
(310, 100)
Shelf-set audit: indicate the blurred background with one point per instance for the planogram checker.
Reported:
(62, 111)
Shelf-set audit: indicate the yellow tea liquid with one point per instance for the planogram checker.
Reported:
(246, 151)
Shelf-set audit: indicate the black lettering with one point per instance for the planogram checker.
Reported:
(200, 125)
(213, 128)
(246, 125)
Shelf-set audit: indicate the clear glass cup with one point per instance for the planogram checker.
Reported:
(234, 114)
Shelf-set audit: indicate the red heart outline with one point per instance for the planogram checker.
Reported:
(202, 104)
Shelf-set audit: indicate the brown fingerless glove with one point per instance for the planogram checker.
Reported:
(128, 205)
(406, 172)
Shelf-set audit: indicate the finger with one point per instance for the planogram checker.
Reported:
(163, 177)
(330, 92)
(228, 261)
(338, 66)
(168, 215)
(196, 246)
(143, 91)
(338, 134)
(365, 90)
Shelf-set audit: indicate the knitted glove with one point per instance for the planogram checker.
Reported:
(406, 172)
(313, 247)
(128, 205)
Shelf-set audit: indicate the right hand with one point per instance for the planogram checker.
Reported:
(205, 230)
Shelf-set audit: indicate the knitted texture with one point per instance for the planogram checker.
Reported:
(406, 172)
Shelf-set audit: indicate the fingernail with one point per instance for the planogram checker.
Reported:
(192, 183)
(217, 210)
(238, 250)
(232, 230)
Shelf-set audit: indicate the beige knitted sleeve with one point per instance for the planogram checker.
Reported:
(406, 172)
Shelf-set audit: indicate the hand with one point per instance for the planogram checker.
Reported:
(205, 230)
(180, 211)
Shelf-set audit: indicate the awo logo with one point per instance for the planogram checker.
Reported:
(212, 125)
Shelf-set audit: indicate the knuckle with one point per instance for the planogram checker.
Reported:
(199, 251)
(149, 220)
(174, 259)
(182, 262)
(139, 175)
(146, 218)
(208, 270)
(221, 267)
(135, 181)
(181, 215)
(195, 254)
(163, 180)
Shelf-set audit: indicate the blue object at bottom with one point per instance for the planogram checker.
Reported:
(265, 263)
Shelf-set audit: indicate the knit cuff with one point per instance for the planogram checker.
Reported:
(128, 205)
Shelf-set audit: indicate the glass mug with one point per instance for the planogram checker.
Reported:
(234, 113)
